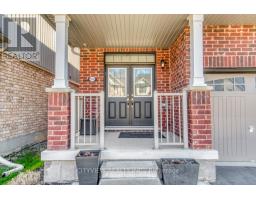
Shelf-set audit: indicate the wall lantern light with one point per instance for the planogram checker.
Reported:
(162, 63)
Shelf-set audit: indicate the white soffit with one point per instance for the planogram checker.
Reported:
(230, 19)
(137, 30)
(125, 30)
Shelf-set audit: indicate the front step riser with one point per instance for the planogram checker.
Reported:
(131, 181)
(129, 172)
(134, 173)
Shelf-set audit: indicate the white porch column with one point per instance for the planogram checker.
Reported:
(196, 50)
(61, 56)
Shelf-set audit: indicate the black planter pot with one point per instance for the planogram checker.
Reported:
(87, 163)
(180, 171)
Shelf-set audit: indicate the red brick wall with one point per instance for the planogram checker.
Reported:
(180, 62)
(92, 64)
(58, 121)
(229, 46)
(199, 120)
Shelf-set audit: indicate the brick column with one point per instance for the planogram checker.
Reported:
(58, 137)
(199, 119)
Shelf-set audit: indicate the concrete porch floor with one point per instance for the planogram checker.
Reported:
(143, 149)
(113, 142)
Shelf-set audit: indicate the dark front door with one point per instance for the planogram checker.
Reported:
(129, 95)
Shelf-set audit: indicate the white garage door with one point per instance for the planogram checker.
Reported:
(234, 116)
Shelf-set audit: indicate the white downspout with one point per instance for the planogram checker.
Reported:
(16, 167)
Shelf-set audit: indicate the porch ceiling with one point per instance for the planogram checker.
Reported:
(125, 30)
(139, 30)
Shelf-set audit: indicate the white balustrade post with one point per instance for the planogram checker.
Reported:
(185, 118)
(102, 120)
(73, 121)
(156, 140)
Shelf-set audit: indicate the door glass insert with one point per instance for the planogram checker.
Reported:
(142, 82)
(117, 86)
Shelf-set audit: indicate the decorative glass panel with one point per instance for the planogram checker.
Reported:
(143, 82)
(229, 87)
(117, 82)
(239, 88)
(219, 81)
(209, 82)
(239, 80)
(219, 88)
(229, 84)
(129, 58)
(230, 80)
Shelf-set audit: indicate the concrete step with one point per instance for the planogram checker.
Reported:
(129, 169)
(130, 181)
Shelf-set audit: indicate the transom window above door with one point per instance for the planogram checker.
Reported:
(117, 82)
(130, 58)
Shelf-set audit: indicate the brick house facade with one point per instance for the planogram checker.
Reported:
(181, 99)
(23, 103)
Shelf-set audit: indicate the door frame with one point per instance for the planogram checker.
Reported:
(129, 66)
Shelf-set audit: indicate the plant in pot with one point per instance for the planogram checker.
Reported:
(87, 163)
(180, 171)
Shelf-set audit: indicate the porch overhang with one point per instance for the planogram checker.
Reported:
(137, 30)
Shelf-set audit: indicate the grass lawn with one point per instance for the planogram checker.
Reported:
(29, 159)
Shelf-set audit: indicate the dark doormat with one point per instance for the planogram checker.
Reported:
(138, 135)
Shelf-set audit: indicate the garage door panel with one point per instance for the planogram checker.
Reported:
(230, 112)
(251, 122)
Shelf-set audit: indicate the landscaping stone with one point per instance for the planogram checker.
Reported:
(26, 178)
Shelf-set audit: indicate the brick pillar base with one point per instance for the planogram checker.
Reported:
(58, 137)
(199, 119)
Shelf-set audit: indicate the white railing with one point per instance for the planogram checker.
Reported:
(87, 120)
(170, 119)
